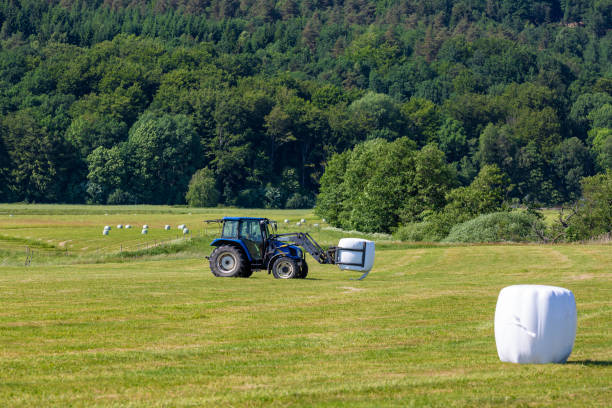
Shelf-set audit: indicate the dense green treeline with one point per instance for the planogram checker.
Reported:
(123, 101)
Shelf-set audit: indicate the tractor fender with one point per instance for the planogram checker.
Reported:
(272, 260)
(225, 241)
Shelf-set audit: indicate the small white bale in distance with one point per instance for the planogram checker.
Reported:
(146, 226)
(303, 221)
(535, 324)
(107, 228)
(180, 226)
(298, 223)
(105, 232)
(315, 225)
(286, 221)
(347, 256)
(128, 226)
(185, 231)
(144, 231)
(167, 227)
(119, 226)
(323, 221)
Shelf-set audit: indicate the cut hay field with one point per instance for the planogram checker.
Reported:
(121, 320)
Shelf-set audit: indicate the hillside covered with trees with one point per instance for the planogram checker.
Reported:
(126, 101)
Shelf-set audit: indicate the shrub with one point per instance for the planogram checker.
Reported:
(273, 197)
(251, 198)
(298, 200)
(414, 231)
(594, 213)
(515, 226)
(202, 191)
(435, 227)
(120, 197)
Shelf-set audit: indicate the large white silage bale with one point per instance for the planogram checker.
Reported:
(128, 226)
(535, 324)
(106, 228)
(144, 231)
(346, 256)
(167, 227)
(119, 226)
(185, 231)
(105, 232)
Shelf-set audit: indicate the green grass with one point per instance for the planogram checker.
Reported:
(153, 327)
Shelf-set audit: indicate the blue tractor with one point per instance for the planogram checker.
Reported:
(248, 244)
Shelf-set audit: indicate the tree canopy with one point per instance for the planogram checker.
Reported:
(106, 101)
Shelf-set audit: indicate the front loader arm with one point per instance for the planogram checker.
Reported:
(304, 240)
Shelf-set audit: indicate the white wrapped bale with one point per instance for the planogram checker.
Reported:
(144, 231)
(128, 226)
(185, 231)
(286, 221)
(303, 221)
(351, 254)
(180, 226)
(107, 228)
(535, 324)
(105, 232)
(167, 227)
(119, 226)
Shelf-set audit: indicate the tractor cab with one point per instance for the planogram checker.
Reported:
(251, 233)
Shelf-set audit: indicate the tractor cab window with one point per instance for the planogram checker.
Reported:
(250, 229)
(230, 229)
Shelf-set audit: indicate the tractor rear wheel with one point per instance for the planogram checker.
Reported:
(285, 268)
(229, 262)
(303, 270)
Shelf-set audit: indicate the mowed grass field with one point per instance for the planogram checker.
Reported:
(121, 320)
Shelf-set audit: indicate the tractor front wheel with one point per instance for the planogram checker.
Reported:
(229, 262)
(285, 268)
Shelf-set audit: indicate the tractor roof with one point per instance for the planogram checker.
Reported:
(243, 218)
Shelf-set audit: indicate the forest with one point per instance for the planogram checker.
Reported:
(245, 103)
